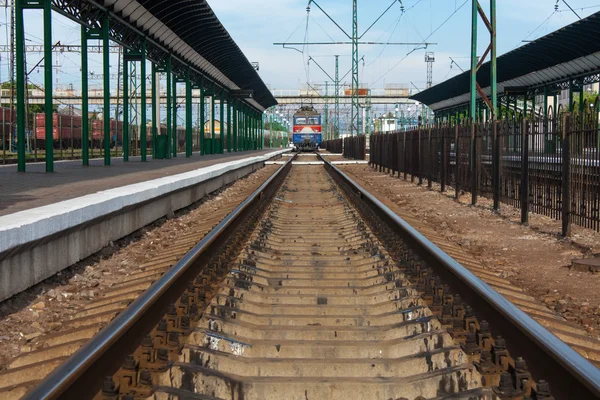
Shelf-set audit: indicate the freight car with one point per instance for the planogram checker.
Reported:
(7, 124)
(66, 130)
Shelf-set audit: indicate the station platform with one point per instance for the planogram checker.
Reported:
(36, 188)
(50, 221)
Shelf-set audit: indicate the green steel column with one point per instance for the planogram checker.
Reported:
(175, 131)
(244, 127)
(48, 85)
(20, 50)
(143, 117)
(202, 118)
(213, 147)
(271, 129)
(571, 86)
(474, 16)
(188, 114)
(85, 124)
(493, 70)
(253, 137)
(355, 110)
(169, 108)
(125, 110)
(229, 124)
(155, 108)
(222, 120)
(106, 68)
(235, 126)
(262, 130)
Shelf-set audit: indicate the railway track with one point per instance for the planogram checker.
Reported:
(312, 289)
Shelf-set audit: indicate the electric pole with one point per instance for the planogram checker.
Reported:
(337, 96)
(355, 119)
(429, 59)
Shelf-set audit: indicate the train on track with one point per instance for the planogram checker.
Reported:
(66, 132)
(307, 129)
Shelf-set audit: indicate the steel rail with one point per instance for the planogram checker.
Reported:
(553, 357)
(59, 382)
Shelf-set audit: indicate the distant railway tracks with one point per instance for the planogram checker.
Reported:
(313, 289)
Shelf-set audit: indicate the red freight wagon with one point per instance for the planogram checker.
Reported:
(7, 124)
(64, 127)
(116, 131)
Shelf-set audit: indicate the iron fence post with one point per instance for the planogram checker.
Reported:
(456, 163)
(405, 134)
(443, 160)
(473, 163)
(496, 166)
(566, 176)
(431, 161)
(524, 172)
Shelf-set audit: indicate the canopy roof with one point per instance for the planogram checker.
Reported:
(191, 30)
(570, 52)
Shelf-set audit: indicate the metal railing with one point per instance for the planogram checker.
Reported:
(545, 166)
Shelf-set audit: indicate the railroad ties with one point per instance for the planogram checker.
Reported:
(315, 308)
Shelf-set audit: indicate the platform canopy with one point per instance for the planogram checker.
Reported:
(190, 30)
(568, 54)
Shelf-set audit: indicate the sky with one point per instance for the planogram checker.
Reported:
(256, 24)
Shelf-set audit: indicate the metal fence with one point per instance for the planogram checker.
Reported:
(545, 166)
(355, 147)
(333, 146)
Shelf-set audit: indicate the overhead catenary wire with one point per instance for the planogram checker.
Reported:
(536, 29)
(423, 42)
(388, 41)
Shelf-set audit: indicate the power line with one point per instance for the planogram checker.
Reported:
(384, 47)
(535, 30)
(423, 42)
(577, 15)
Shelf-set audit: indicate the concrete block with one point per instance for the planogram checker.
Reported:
(37, 243)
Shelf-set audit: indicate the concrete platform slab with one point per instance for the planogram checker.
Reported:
(35, 243)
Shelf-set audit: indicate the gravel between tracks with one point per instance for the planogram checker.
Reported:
(43, 308)
(530, 257)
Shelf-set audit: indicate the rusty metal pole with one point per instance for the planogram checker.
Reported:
(524, 172)
(443, 159)
(474, 169)
(431, 161)
(566, 176)
(457, 163)
(496, 166)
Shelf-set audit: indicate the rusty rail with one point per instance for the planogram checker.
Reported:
(548, 358)
(105, 352)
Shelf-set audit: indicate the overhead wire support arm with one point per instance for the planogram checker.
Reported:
(321, 68)
(381, 16)
(330, 18)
